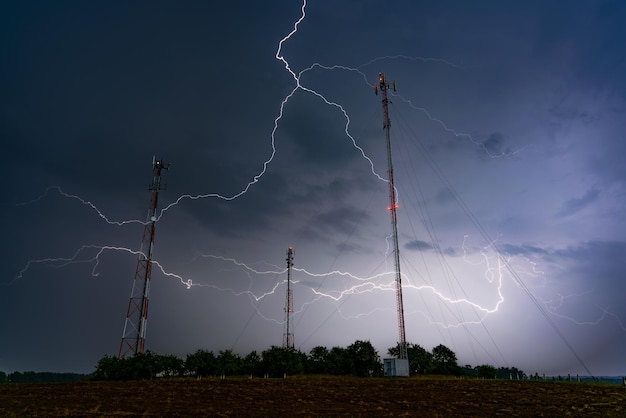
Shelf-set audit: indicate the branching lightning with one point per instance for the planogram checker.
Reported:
(298, 86)
(495, 264)
(458, 134)
(82, 201)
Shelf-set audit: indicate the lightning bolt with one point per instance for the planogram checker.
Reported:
(298, 86)
(95, 259)
(82, 201)
(458, 134)
(494, 263)
(557, 304)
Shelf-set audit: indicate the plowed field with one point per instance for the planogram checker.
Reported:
(314, 396)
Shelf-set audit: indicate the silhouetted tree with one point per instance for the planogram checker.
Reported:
(143, 366)
(278, 361)
(510, 373)
(317, 360)
(339, 361)
(444, 361)
(486, 371)
(140, 366)
(202, 363)
(108, 368)
(252, 364)
(469, 371)
(170, 365)
(365, 359)
(229, 363)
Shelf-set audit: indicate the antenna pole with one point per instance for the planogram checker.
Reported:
(288, 333)
(134, 334)
(384, 86)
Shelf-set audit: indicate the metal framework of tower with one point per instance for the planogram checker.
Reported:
(288, 332)
(384, 86)
(134, 334)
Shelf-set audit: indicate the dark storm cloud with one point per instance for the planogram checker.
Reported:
(592, 268)
(317, 144)
(566, 111)
(418, 245)
(594, 260)
(265, 206)
(89, 92)
(494, 144)
(344, 224)
(341, 220)
(603, 251)
(608, 162)
(588, 53)
(336, 188)
(575, 205)
(444, 196)
(352, 248)
(525, 250)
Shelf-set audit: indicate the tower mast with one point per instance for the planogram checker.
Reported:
(288, 332)
(134, 334)
(383, 85)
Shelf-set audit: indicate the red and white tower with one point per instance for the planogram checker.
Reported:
(134, 335)
(383, 85)
(288, 332)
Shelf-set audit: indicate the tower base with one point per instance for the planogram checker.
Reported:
(393, 367)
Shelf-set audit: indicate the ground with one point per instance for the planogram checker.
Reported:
(314, 396)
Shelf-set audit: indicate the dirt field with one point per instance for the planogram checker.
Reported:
(314, 396)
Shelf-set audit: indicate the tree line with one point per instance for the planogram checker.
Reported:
(441, 360)
(358, 359)
(41, 377)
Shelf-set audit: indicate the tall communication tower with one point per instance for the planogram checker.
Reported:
(383, 85)
(134, 335)
(288, 333)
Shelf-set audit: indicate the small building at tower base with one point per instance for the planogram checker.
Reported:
(396, 367)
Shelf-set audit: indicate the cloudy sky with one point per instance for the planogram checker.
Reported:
(508, 132)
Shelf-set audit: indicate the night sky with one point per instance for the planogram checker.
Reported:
(508, 133)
